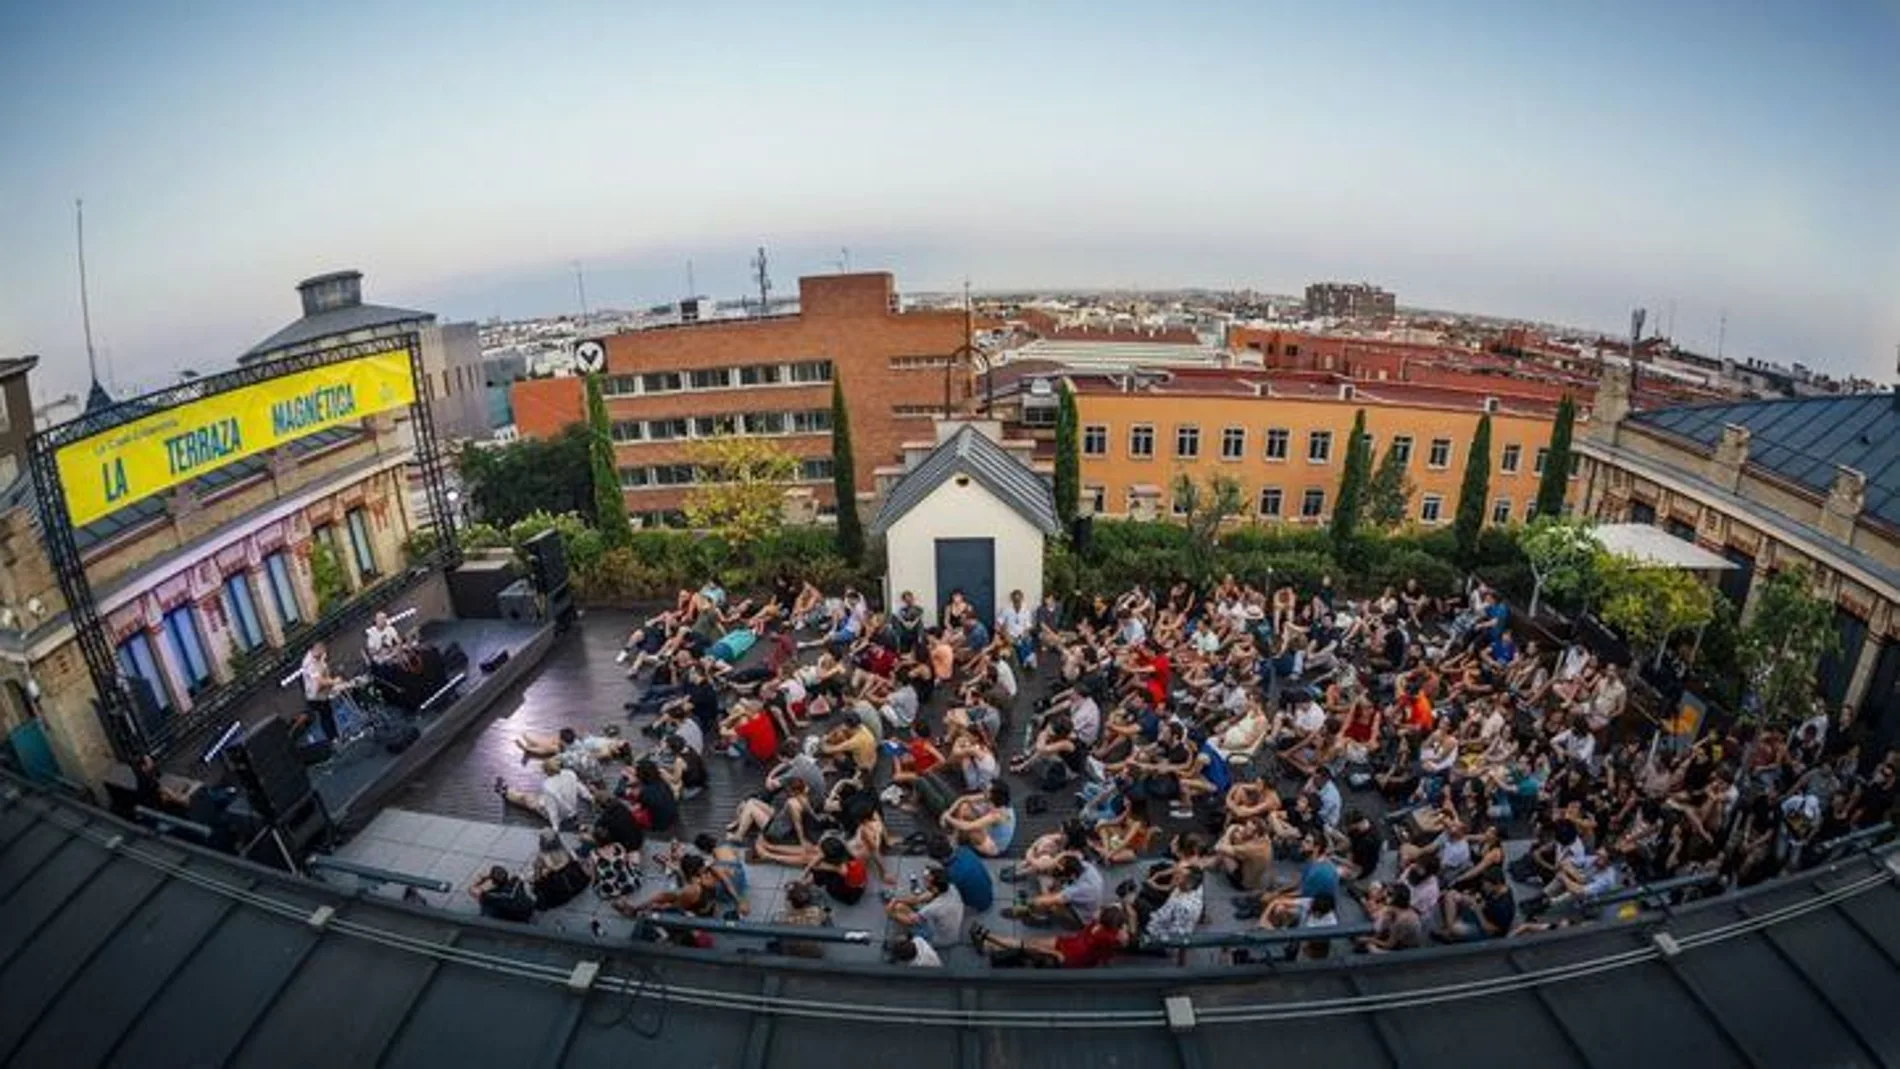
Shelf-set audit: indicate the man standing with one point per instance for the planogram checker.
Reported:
(319, 689)
(1018, 624)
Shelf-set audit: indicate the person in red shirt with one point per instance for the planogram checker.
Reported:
(1095, 945)
(751, 727)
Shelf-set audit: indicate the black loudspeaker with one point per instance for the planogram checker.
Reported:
(546, 557)
(267, 766)
(519, 603)
(1081, 529)
(495, 661)
(475, 588)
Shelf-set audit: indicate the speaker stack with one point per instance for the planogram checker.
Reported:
(293, 819)
(546, 557)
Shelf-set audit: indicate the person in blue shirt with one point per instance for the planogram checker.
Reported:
(967, 873)
(1318, 876)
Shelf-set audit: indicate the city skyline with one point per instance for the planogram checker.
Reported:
(1559, 166)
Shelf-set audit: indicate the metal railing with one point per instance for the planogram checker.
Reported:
(370, 877)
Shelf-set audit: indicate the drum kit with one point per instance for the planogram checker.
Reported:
(364, 718)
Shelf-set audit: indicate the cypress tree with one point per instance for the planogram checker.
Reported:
(1352, 489)
(1068, 459)
(610, 505)
(844, 479)
(1555, 482)
(1471, 493)
(1388, 493)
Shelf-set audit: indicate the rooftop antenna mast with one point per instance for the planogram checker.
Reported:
(85, 302)
(764, 280)
(1721, 333)
(691, 290)
(580, 284)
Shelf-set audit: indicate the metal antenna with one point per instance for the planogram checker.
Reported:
(1721, 333)
(85, 303)
(580, 283)
(691, 290)
(764, 280)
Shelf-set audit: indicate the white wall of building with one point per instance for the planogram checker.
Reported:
(968, 510)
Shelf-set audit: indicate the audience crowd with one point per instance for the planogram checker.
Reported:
(1281, 755)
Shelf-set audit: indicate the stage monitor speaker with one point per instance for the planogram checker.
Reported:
(546, 557)
(267, 766)
(1081, 530)
(519, 603)
(475, 588)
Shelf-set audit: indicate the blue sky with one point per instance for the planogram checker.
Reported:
(1550, 161)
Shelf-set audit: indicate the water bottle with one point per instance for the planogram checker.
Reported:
(916, 885)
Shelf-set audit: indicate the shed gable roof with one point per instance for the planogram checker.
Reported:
(969, 453)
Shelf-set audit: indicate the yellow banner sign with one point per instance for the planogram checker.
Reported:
(110, 470)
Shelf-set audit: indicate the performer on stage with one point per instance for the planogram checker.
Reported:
(383, 643)
(319, 689)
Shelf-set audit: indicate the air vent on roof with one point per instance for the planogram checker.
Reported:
(1490, 404)
(1347, 391)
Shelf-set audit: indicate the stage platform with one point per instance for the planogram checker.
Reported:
(356, 783)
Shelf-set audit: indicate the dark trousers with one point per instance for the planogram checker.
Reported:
(323, 710)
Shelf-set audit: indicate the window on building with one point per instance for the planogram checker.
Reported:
(666, 430)
(138, 661)
(1440, 455)
(620, 385)
(1141, 440)
(1402, 446)
(1178, 505)
(1233, 443)
(1312, 504)
(1509, 457)
(1292, 350)
(812, 422)
(765, 423)
(715, 378)
(761, 375)
(1277, 438)
(360, 544)
(918, 363)
(915, 411)
(1187, 442)
(1431, 507)
(815, 469)
(1501, 510)
(627, 430)
(673, 475)
(811, 371)
(187, 647)
(1542, 458)
(1036, 415)
(1319, 447)
(1095, 440)
(325, 533)
(632, 478)
(1098, 499)
(1270, 502)
(283, 589)
(246, 630)
(660, 382)
(712, 426)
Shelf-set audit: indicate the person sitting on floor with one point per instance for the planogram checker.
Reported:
(558, 801)
(1095, 944)
(986, 821)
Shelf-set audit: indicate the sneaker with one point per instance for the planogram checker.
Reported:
(621, 657)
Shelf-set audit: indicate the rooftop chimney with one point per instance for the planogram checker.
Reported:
(327, 293)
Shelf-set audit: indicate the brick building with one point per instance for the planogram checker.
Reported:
(1772, 484)
(1349, 300)
(669, 387)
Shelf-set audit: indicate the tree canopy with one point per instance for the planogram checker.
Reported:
(508, 482)
(1781, 645)
(1389, 494)
(844, 479)
(1068, 487)
(1471, 493)
(1554, 483)
(1352, 488)
(740, 491)
(610, 504)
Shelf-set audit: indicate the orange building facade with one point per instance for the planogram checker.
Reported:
(1285, 438)
(669, 388)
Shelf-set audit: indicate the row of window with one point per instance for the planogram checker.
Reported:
(181, 631)
(813, 469)
(741, 377)
(919, 363)
(813, 421)
(1319, 446)
(1312, 505)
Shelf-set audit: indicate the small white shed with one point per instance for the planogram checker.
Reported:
(968, 517)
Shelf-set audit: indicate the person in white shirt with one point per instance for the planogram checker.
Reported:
(1085, 716)
(914, 951)
(382, 642)
(319, 689)
(1018, 624)
(1576, 743)
(935, 913)
(559, 799)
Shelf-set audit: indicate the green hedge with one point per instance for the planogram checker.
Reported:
(1125, 552)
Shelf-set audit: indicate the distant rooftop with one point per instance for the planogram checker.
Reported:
(333, 305)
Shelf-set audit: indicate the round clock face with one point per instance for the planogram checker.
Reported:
(591, 356)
